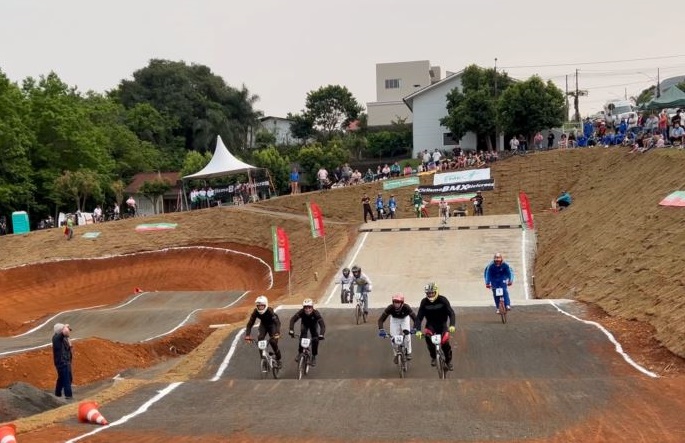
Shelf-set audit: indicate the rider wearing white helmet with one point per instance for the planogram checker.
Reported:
(269, 323)
(346, 282)
(437, 311)
(400, 314)
(310, 319)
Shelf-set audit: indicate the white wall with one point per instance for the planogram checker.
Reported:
(429, 108)
(279, 128)
(381, 114)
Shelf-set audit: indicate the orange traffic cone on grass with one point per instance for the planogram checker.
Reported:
(88, 413)
(7, 433)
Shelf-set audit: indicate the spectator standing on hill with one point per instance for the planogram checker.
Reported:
(537, 141)
(514, 144)
(294, 181)
(379, 206)
(392, 205)
(366, 204)
(550, 140)
(663, 124)
(62, 357)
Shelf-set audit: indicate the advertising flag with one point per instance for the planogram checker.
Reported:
(526, 213)
(281, 249)
(316, 220)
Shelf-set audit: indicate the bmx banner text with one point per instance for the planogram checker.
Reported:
(478, 185)
(461, 176)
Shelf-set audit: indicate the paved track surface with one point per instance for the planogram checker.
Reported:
(543, 376)
(141, 318)
(533, 378)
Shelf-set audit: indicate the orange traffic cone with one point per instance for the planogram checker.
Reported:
(88, 413)
(137, 290)
(7, 433)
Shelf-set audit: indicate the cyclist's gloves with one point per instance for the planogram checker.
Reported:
(320, 337)
(419, 334)
(292, 334)
(382, 333)
(248, 338)
(488, 285)
(277, 336)
(413, 331)
(452, 329)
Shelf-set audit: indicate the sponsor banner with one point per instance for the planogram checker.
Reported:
(281, 249)
(230, 189)
(677, 198)
(456, 198)
(155, 227)
(526, 213)
(400, 183)
(461, 176)
(478, 185)
(95, 234)
(315, 220)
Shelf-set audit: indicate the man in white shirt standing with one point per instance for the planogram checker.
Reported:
(322, 177)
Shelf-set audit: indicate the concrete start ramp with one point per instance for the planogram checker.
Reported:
(402, 255)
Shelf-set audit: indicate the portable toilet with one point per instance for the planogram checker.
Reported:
(20, 222)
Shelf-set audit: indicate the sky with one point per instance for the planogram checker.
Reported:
(281, 50)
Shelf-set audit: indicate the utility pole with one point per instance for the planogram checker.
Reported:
(496, 130)
(575, 94)
(567, 94)
(658, 84)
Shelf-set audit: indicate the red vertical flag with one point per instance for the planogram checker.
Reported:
(526, 213)
(281, 248)
(316, 220)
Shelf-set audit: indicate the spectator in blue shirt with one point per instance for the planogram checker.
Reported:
(294, 181)
(379, 206)
(564, 200)
(392, 205)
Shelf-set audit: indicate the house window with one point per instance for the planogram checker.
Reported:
(393, 83)
(448, 139)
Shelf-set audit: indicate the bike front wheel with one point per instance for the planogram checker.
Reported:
(502, 310)
(440, 365)
(274, 368)
(302, 367)
(402, 364)
(264, 368)
(358, 312)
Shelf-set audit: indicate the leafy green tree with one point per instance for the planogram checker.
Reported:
(473, 107)
(314, 156)
(16, 185)
(77, 186)
(530, 106)
(302, 126)
(154, 190)
(388, 143)
(645, 96)
(278, 166)
(330, 109)
(118, 187)
(194, 162)
(66, 138)
(199, 103)
(264, 138)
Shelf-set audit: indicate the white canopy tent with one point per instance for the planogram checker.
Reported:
(223, 163)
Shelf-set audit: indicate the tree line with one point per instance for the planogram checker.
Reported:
(63, 149)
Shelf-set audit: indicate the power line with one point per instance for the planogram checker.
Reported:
(593, 63)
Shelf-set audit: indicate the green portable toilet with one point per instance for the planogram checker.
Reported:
(20, 222)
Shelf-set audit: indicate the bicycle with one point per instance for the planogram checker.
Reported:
(477, 208)
(359, 313)
(305, 360)
(501, 304)
(267, 363)
(444, 214)
(398, 344)
(346, 294)
(440, 363)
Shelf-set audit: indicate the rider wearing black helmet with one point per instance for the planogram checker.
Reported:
(437, 311)
(346, 282)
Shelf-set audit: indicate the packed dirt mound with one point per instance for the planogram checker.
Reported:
(22, 399)
(614, 247)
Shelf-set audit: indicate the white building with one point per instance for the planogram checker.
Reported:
(394, 81)
(428, 106)
(278, 126)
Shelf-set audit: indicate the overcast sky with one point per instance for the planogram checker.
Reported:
(283, 49)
